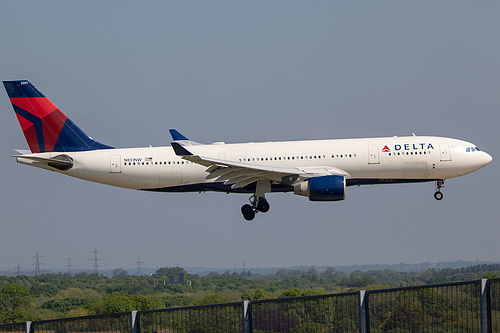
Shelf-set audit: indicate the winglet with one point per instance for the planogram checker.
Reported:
(180, 150)
(176, 136)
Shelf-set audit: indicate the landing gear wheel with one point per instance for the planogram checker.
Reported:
(263, 205)
(248, 212)
(257, 204)
(438, 195)
(439, 185)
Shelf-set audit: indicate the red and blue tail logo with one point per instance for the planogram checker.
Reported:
(45, 127)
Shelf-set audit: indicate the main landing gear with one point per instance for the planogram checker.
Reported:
(438, 195)
(257, 204)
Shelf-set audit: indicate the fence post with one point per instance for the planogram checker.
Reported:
(134, 323)
(363, 312)
(27, 328)
(485, 307)
(247, 317)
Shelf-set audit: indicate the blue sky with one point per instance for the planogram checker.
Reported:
(126, 72)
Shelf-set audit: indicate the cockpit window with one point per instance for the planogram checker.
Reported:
(470, 149)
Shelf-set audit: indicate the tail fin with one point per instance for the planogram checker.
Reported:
(45, 127)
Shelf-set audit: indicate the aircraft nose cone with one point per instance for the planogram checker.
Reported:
(487, 158)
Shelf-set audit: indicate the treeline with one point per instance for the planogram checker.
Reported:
(51, 296)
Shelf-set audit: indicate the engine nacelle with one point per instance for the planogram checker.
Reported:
(324, 188)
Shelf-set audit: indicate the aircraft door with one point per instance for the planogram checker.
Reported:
(373, 155)
(115, 165)
(444, 152)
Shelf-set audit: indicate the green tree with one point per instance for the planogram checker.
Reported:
(66, 305)
(254, 295)
(119, 272)
(213, 299)
(169, 271)
(122, 302)
(15, 304)
(407, 314)
(296, 292)
(77, 293)
(490, 275)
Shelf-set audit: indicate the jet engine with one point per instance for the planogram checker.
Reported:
(324, 188)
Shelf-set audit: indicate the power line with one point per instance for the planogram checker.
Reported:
(69, 265)
(37, 263)
(96, 261)
(138, 262)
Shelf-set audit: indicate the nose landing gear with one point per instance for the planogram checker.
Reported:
(258, 204)
(438, 195)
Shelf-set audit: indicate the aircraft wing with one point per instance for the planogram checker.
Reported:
(241, 174)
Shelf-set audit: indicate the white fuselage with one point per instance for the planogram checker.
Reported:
(365, 161)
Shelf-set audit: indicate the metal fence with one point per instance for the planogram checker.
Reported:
(494, 305)
(20, 328)
(219, 318)
(455, 307)
(112, 323)
(324, 313)
(440, 308)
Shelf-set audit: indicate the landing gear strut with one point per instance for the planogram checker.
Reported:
(438, 195)
(258, 204)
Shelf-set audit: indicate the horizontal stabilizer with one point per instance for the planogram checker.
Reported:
(60, 162)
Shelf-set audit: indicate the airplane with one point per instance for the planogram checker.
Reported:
(318, 169)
